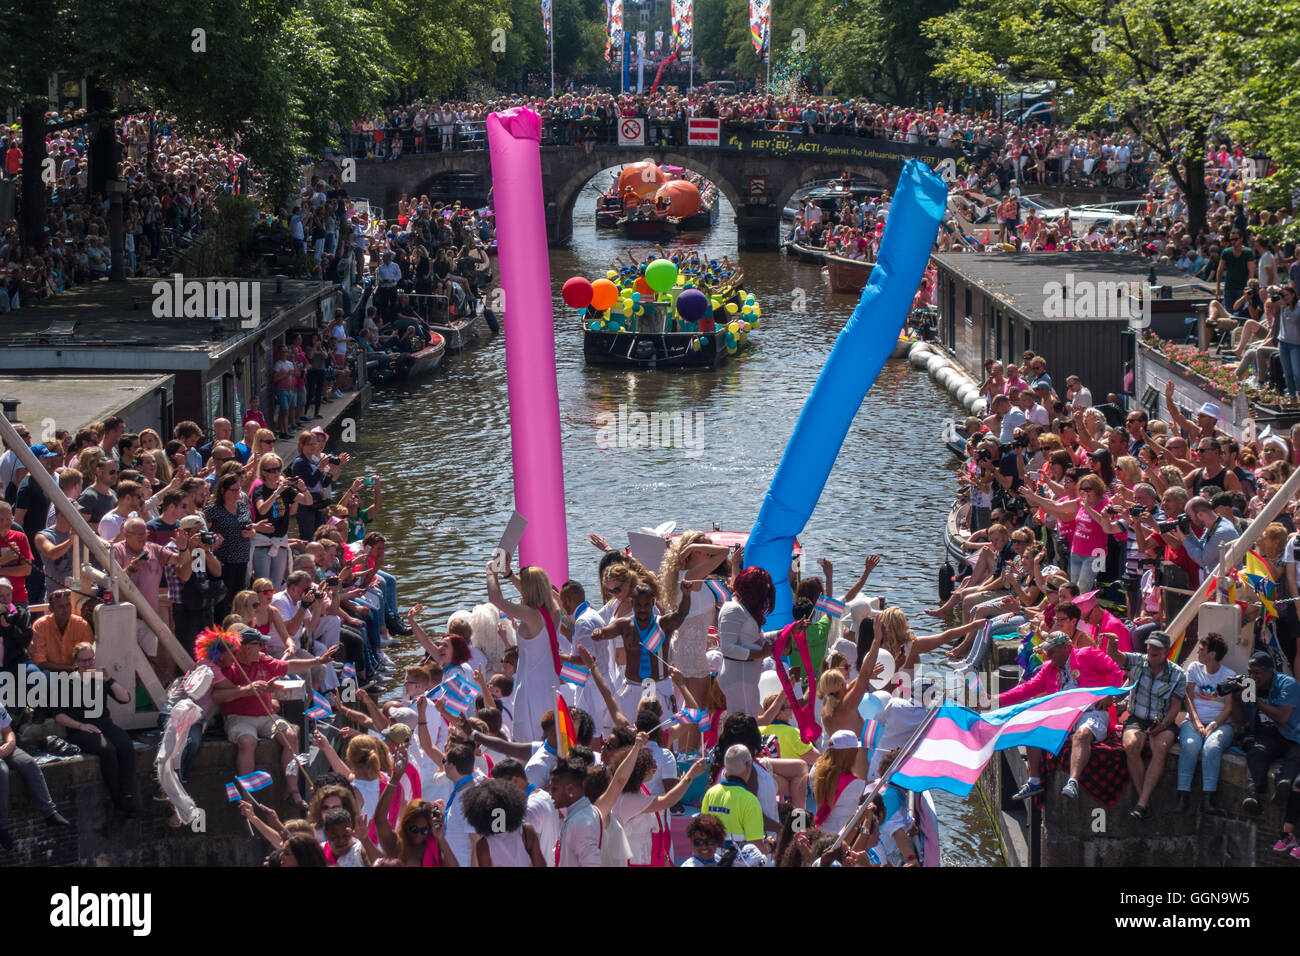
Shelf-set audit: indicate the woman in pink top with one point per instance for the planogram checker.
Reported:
(1088, 540)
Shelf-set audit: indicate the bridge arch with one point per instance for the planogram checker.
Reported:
(566, 182)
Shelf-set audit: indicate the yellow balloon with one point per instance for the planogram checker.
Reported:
(611, 274)
(733, 326)
(731, 307)
(755, 323)
(757, 310)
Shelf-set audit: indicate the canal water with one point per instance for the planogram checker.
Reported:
(442, 446)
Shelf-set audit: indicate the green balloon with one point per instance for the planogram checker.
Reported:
(660, 275)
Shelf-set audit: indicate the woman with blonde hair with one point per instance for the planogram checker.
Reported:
(263, 444)
(150, 440)
(692, 557)
(165, 470)
(257, 612)
(835, 784)
(537, 672)
(490, 635)
(87, 462)
(1128, 470)
(367, 766)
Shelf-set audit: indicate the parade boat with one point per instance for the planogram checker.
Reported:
(458, 332)
(387, 368)
(847, 275)
(651, 344)
(805, 253)
(646, 189)
(644, 223)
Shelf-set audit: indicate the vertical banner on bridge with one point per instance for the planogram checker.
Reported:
(702, 131)
(546, 24)
(659, 41)
(683, 24)
(760, 15)
(613, 28)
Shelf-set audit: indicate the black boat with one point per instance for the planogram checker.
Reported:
(655, 349)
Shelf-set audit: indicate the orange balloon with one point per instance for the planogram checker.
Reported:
(642, 286)
(603, 294)
(643, 178)
(678, 198)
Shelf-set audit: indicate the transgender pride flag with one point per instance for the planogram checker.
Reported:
(961, 741)
(257, 780)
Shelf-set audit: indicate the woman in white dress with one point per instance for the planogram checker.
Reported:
(537, 673)
(691, 558)
(743, 642)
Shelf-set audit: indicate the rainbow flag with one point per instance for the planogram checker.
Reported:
(759, 23)
(961, 741)
(232, 793)
(565, 737)
(257, 780)
(830, 607)
(1259, 577)
(655, 639)
(574, 674)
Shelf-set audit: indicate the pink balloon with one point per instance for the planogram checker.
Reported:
(514, 137)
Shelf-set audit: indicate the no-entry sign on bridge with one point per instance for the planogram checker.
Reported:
(702, 132)
(631, 131)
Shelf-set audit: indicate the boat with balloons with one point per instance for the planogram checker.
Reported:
(664, 314)
(647, 200)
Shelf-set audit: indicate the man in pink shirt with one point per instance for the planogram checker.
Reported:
(1097, 622)
(1067, 667)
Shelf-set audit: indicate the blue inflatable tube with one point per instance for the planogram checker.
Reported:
(850, 370)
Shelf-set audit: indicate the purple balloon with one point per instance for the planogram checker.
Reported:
(692, 304)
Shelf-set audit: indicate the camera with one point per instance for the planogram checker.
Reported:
(309, 596)
(1183, 524)
(208, 537)
(1136, 510)
(983, 455)
(1233, 685)
(803, 609)
(332, 459)
(332, 581)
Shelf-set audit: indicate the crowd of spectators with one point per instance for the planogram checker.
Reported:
(1088, 528)
(172, 179)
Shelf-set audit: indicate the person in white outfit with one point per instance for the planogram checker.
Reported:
(496, 811)
(743, 642)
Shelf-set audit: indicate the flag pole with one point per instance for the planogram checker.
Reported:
(917, 735)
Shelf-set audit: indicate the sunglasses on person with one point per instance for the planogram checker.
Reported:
(415, 828)
(268, 470)
(698, 842)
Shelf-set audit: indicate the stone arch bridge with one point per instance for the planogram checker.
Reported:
(758, 173)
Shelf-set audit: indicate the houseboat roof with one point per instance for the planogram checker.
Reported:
(115, 323)
(74, 401)
(1021, 281)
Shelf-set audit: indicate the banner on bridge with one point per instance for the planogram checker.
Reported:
(827, 147)
(701, 131)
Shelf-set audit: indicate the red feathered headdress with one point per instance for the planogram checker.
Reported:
(213, 642)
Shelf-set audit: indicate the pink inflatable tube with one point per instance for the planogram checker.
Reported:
(514, 137)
